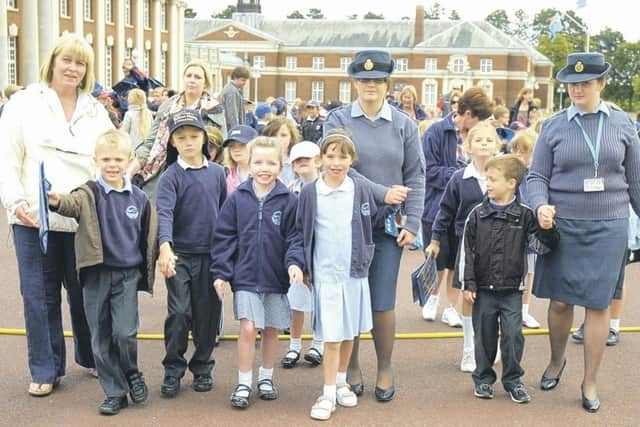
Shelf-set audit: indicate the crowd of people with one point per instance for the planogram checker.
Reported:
(286, 205)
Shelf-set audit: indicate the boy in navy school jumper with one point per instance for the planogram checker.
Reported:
(493, 266)
(116, 248)
(258, 251)
(190, 194)
(464, 191)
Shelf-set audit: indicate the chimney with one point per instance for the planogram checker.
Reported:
(418, 30)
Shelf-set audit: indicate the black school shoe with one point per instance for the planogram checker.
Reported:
(483, 391)
(519, 394)
(112, 405)
(170, 386)
(138, 388)
(578, 335)
(313, 357)
(614, 338)
(202, 383)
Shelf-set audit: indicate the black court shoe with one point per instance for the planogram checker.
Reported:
(358, 389)
(547, 383)
(589, 405)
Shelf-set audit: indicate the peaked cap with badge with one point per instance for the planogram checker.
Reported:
(583, 67)
(371, 64)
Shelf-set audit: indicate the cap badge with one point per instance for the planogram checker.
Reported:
(579, 67)
(368, 65)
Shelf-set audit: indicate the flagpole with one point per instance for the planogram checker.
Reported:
(582, 27)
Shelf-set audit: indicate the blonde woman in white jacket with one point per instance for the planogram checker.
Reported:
(55, 121)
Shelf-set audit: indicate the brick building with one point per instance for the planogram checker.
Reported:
(149, 31)
(308, 58)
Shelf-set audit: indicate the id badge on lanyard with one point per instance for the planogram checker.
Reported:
(595, 184)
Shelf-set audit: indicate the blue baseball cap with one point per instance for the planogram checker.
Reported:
(241, 133)
(371, 64)
(583, 67)
(185, 117)
(262, 110)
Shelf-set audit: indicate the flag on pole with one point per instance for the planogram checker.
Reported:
(555, 26)
(581, 3)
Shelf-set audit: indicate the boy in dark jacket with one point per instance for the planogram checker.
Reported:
(493, 266)
(115, 256)
(190, 194)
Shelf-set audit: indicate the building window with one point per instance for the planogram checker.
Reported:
(431, 65)
(127, 12)
(317, 63)
(258, 61)
(108, 11)
(317, 90)
(88, 10)
(290, 90)
(430, 93)
(128, 53)
(146, 61)
(344, 64)
(12, 4)
(486, 65)
(402, 64)
(163, 16)
(458, 65)
(163, 67)
(292, 63)
(13, 60)
(344, 92)
(108, 66)
(146, 13)
(64, 8)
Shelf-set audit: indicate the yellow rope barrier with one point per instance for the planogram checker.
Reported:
(399, 336)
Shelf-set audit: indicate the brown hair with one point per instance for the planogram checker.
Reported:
(272, 128)
(523, 141)
(341, 138)
(477, 102)
(240, 73)
(78, 46)
(205, 69)
(266, 142)
(525, 90)
(509, 166)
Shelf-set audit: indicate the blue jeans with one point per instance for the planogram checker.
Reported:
(41, 277)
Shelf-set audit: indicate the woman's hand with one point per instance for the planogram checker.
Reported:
(405, 238)
(22, 213)
(133, 168)
(167, 261)
(219, 285)
(546, 214)
(54, 199)
(396, 195)
(295, 275)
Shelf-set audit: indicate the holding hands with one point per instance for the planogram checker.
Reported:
(295, 275)
(167, 260)
(546, 214)
(219, 285)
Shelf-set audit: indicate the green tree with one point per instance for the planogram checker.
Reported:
(435, 12)
(607, 41)
(522, 27)
(454, 15)
(625, 69)
(296, 14)
(315, 13)
(371, 15)
(226, 13)
(500, 20)
(557, 52)
(189, 13)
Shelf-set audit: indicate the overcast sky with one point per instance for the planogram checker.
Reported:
(617, 14)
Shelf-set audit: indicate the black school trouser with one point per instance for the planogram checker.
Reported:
(192, 305)
(493, 313)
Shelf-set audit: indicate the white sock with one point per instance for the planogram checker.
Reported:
(295, 344)
(265, 374)
(615, 324)
(435, 299)
(341, 378)
(245, 378)
(329, 391)
(467, 332)
(525, 311)
(317, 344)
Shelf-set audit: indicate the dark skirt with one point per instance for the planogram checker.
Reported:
(383, 273)
(587, 267)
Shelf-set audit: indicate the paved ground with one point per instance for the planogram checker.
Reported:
(430, 388)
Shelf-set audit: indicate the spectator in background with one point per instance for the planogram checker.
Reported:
(8, 93)
(409, 104)
(312, 125)
(264, 114)
(232, 99)
(137, 120)
(522, 107)
(501, 116)
(107, 100)
(249, 117)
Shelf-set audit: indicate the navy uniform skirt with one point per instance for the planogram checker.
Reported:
(383, 273)
(587, 267)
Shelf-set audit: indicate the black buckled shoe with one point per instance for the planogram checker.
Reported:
(547, 383)
(138, 388)
(113, 405)
(267, 390)
(241, 401)
(578, 335)
(313, 356)
(614, 338)
(590, 405)
(170, 386)
(202, 383)
(290, 359)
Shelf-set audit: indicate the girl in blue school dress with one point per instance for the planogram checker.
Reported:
(335, 216)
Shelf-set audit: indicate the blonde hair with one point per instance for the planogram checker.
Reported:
(411, 91)
(523, 141)
(77, 45)
(500, 111)
(137, 97)
(266, 142)
(481, 126)
(205, 69)
(114, 139)
(423, 125)
(216, 138)
(341, 138)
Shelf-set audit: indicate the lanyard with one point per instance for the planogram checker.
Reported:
(595, 150)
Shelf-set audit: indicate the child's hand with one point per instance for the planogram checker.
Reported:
(432, 249)
(405, 238)
(167, 261)
(54, 199)
(396, 195)
(219, 285)
(546, 213)
(295, 275)
(306, 279)
(469, 296)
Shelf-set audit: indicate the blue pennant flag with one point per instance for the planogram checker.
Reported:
(555, 26)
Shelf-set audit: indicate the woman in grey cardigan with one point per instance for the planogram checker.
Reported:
(584, 174)
(150, 156)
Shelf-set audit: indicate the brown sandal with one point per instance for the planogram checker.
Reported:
(40, 390)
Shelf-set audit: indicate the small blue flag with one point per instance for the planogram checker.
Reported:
(555, 26)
